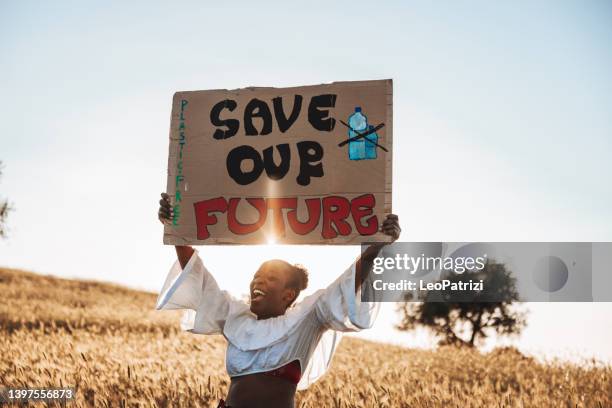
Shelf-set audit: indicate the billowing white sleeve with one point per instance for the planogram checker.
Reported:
(195, 289)
(340, 308)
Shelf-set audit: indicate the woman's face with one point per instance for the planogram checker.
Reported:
(270, 295)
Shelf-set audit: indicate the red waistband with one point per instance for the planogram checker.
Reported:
(291, 372)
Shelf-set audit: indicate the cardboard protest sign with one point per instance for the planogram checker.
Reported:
(302, 165)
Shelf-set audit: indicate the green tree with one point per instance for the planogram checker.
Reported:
(5, 207)
(464, 318)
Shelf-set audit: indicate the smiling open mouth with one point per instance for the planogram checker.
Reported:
(257, 294)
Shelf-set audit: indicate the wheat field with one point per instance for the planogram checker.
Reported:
(108, 343)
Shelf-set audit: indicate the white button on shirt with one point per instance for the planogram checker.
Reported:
(309, 331)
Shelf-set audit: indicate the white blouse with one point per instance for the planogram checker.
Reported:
(309, 331)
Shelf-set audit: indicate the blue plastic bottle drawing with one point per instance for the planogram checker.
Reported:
(358, 123)
(370, 146)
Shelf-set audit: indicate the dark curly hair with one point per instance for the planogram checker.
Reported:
(299, 279)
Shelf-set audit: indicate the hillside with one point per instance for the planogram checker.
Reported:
(111, 344)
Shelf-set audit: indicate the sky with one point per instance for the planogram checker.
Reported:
(502, 130)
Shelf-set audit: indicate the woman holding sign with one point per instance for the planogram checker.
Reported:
(274, 347)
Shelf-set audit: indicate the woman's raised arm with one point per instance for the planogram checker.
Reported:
(164, 214)
(389, 227)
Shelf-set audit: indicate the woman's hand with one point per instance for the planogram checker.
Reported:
(391, 227)
(164, 214)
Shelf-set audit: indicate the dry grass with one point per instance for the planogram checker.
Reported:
(109, 343)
